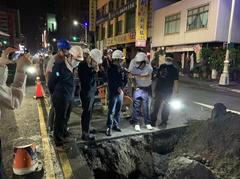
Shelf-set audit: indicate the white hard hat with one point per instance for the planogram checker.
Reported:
(117, 54)
(86, 50)
(76, 52)
(109, 51)
(96, 55)
(141, 57)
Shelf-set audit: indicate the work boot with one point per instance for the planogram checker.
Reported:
(93, 131)
(108, 132)
(117, 128)
(59, 148)
(67, 134)
(163, 124)
(88, 137)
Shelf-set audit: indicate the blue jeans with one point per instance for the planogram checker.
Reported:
(141, 99)
(114, 109)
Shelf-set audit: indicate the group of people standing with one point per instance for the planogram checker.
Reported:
(60, 81)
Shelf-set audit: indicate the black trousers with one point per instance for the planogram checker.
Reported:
(158, 100)
(51, 115)
(63, 110)
(87, 106)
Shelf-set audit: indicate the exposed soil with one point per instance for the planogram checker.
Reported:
(215, 144)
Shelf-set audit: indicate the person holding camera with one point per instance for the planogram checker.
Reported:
(11, 97)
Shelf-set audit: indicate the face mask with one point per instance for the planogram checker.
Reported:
(3, 75)
(75, 63)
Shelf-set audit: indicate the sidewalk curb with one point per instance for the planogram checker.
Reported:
(209, 84)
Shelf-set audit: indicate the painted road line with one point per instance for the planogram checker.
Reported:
(211, 107)
(64, 161)
(48, 163)
(225, 88)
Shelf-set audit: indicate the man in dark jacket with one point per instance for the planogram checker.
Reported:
(117, 80)
(87, 71)
(166, 84)
(61, 87)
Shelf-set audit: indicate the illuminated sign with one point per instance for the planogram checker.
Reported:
(121, 39)
(92, 15)
(141, 23)
(51, 22)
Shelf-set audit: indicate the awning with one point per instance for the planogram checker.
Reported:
(4, 34)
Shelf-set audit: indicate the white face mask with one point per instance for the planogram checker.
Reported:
(75, 63)
(168, 63)
(3, 75)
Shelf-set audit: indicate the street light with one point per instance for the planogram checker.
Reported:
(54, 40)
(84, 26)
(224, 79)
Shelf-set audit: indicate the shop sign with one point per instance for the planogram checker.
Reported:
(92, 15)
(121, 39)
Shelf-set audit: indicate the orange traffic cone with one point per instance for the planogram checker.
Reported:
(25, 159)
(39, 88)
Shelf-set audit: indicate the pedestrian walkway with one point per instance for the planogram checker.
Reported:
(233, 87)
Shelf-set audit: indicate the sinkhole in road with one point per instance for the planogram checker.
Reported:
(139, 156)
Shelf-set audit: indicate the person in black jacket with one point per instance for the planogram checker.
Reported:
(61, 87)
(117, 80)
(87, 72)
(166, 85)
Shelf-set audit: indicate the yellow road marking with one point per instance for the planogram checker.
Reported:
(48, 163)
(64, 161)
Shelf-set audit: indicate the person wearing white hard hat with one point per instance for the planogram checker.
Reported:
(141, 71)
(87, 72)
(61, 87)
(117, 80)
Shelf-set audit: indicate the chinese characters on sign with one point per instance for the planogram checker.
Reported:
(121, 39)
(141, 23)
(92, 15)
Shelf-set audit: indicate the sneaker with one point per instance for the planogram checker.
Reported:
(149, 127)
(116, 128)
(50, 133)
(108, 132)
(137, 128)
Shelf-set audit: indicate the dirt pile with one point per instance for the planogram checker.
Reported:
(214, 143)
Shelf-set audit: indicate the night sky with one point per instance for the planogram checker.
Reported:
(30, 13)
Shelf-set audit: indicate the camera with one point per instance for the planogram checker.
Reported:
(15, 55)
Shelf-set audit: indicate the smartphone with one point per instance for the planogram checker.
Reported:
(15, 55)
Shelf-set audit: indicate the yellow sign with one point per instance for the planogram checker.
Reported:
(92, 15)
(141, 23)
(121, 39)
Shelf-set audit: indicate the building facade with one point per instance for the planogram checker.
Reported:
(66, 12)
(186, 26)
(123, 24)
(10, 24)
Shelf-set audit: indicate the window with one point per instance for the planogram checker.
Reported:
(103, 33)
(172, 24)
(130, 21)
(198, 18)
(119, 27)
(110, 6)
(110, 30)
